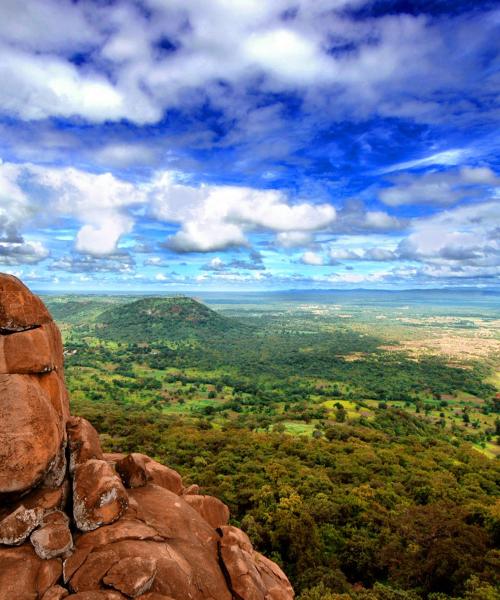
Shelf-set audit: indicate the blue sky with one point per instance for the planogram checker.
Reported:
(244, 144)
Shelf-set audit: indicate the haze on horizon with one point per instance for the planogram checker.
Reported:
(170, 145)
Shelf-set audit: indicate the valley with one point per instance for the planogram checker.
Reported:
(294, 366)
(353, 437)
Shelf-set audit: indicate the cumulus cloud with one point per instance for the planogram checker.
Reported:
(206, 236)
(97, 201)
(209, 217)
(218, 217)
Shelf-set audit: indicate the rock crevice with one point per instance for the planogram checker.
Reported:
(78, 523)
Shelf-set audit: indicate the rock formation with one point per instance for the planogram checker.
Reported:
(78, 523)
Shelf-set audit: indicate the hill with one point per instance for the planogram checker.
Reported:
(156, 319)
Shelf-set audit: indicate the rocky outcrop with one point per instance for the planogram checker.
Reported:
(77, 523)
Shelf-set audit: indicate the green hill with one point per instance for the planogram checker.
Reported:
(156, 319)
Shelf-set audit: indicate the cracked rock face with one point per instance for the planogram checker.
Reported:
(79, 524)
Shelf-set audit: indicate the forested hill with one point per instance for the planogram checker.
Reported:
(155, 319)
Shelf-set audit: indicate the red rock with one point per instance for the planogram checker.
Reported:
(16, 526)
(47, 499)
(251, 576)
(30, 433)
(171, 516)
(99, 497)
(113, 457)
(33, 351)
(19, 308)
(123, 529)
(215, 512)
(89, 575)
(56, 473)
(83, 442)
(74, 562)
(132, 576)
(24, 576)
(54, 537)
(164, 477)
(132, 470)
(53, 385)
(97, 595)
(154, 596)
(191, 490)
(136, 470)
(184, 569)
(56, 592)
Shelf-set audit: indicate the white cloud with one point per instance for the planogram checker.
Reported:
(124, 155)
(344, 65)
(16, 253)
(460, 240)
(206, 236)
(440, 188)
(446, 158)
(218, 217)
(294, 239)
(311, 258)
(101, 239)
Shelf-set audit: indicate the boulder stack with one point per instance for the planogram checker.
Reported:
(78, 523)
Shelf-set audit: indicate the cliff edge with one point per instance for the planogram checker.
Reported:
(79, 523)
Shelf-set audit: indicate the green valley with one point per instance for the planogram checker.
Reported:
(340, 434)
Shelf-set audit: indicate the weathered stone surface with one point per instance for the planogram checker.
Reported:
(164, 477)
(83, 442)
(123, 529)
(54, 537)
(30, 433)
(19, 308)
(136, 470)
(56, 474)
(56, 592)
(53, 385)
(113, 457)
(46, 498)
(215, 512)
(191, 490)
(97, 595)
(99, 497)
(132, 470)
(16, 526)
(96, 565)
(24, 576)
(32, 351)
(132, 576)
(251, 576)
(154, 596)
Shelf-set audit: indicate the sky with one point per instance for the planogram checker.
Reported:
(170, 145)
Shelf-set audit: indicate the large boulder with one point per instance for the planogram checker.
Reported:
(31, 433)
(99, 497)
(34, 402)
(19, 308)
